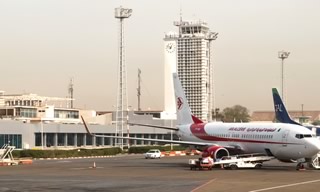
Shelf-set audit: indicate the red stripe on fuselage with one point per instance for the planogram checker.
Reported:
(198, 131)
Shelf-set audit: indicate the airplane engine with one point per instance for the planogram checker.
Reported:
(288, 160)
(216, 152)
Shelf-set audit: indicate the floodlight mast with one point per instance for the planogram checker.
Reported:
(122, 99)
(211, 102)
(282, 55)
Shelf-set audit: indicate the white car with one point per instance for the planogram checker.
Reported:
(153, 154)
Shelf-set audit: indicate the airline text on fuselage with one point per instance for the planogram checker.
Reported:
(252, 129)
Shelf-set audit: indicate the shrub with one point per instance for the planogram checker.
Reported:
(65, 153)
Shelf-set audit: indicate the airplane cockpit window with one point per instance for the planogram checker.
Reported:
(300, 136)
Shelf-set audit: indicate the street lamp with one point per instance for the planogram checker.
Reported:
(282, 55)
(41, 123)
(171, 134)
(128, 127)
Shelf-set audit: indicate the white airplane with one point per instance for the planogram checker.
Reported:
(283, 116)
(286, 142)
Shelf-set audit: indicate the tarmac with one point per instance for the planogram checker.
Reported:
(133, 173)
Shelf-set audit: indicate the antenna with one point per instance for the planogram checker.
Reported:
(180, 31)
(70, 91)
(139, 89)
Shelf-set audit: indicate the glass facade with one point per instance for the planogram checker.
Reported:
(50, 139)
(66, 114)
(37, 139)
(99, 141)
(82, 139)
(79, 139)
(139, 142)
(61, 139)
(26, 112)
(70, 139)
(12, 139)
(108, 141)
(89, 140)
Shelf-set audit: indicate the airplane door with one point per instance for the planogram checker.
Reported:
(285, 135)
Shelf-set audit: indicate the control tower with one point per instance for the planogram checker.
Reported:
(192, 46)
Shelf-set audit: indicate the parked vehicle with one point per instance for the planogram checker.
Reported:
(153, 154)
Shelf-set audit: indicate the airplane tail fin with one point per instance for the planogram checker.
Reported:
(280, 110)
(184, 115)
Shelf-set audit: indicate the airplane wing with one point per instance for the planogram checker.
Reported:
(148, 139)
(158, 140)
(229, 147)
(155, 126)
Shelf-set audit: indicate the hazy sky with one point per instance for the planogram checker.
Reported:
(43, 43)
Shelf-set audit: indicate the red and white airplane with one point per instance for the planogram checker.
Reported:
(286, 142)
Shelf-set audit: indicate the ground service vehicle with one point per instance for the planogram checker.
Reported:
(197, 164)
(254, 160)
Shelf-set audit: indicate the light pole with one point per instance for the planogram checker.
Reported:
(282, 55)
(122, 99)
(41, 123)
(171, 134)
(128, 127)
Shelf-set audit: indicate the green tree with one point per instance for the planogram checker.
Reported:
(236, 113)
(316, 122)
(217, 115)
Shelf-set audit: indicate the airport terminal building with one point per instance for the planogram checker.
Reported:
(29, 121)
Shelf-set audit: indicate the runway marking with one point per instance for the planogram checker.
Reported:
(46, 180)
(78, 168)
(96, 167)
(288, 185)
(82, 168)
(202, 185)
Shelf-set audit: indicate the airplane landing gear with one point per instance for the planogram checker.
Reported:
(300, 166)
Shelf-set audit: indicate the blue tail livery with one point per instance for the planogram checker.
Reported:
(280, 110)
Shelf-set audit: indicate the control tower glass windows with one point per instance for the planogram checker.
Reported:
(66, 114)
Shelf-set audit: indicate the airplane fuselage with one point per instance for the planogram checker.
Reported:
(283, 141)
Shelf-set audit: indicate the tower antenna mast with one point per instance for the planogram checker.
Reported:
(70, 90)
(139, 89)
